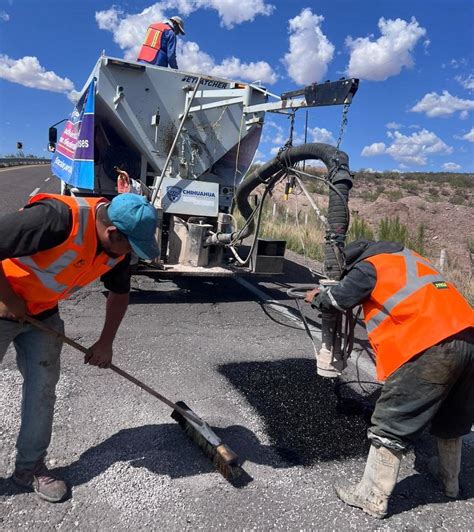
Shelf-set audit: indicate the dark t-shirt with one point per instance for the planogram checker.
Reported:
(44, 225)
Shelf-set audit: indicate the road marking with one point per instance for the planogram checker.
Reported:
(35, 191)
(291, 314)
(47, 179)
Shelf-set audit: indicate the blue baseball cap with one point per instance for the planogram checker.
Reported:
(136, 218)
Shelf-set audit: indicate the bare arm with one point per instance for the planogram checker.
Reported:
(101, 351)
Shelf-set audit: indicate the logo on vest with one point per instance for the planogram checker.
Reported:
(80, 263)
(173, 193)
(440, 285)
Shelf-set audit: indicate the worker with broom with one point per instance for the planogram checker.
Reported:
(422, 332)
(48, 250)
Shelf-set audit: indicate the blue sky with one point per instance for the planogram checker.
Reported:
(415, 60)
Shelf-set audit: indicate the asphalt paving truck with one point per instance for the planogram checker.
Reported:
(189, 140)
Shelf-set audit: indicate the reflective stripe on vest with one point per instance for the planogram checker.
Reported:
(48, 276)
(152, 42)
(413, 283)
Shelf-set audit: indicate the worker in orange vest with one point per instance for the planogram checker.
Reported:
(48, 250)
(159, 47)
(422, 332)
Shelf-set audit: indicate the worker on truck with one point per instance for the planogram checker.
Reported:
(422, 332)
(49, 249)
(159, 47)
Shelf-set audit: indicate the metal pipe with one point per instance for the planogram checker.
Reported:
(156, 188)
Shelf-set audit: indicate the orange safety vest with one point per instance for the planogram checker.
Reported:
(152, 43)
(46, 277)
(411, 308)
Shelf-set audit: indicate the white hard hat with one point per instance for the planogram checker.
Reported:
(179, 22)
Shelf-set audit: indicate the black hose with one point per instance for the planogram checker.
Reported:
(336, 162)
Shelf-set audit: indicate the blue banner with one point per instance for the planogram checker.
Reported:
(73, 161)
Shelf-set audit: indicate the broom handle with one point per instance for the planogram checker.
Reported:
(39, 325)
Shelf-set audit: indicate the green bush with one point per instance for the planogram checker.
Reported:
(394, 195)
(392, 229)
(359, 228)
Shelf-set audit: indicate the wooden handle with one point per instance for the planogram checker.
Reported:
(40, 325)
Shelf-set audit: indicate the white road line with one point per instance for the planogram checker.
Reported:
(47, 179)
(363, 363)
(35, 191)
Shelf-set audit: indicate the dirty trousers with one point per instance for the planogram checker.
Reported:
(436, 386)
(38, 359)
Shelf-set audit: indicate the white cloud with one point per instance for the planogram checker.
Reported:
(320, 134)
(414, 149)
(5, 17)
(274, 133)
(28, 72)
(377, 148)
(129, 29)
(378, 60)
(469, 136)
(233, 12)
(192, 59)
(73, 96)
(275, 150)
(310, 50)
(458, 63)
(393, 125)
(434, 104)
(467, 83)
(451, 167)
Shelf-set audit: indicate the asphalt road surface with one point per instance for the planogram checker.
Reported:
(245, 367)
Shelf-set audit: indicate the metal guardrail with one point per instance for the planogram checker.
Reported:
(21, 161)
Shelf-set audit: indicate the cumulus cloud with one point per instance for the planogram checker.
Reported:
(469, 136)
(379, 59)
(320, 134)
(393, 125)
(415, 149)
(5, 17)
(274, 133)
(377, 148)
(233, 12)
(451, 167)
(434, 104)
(192, 59)
(409, 150)
(467, 83)
(28, 72)
(310, 50)
(129, 29)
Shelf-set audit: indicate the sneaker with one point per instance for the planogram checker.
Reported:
(42, 482)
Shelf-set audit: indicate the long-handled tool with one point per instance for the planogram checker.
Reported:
(223, 458)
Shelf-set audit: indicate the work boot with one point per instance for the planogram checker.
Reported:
(41, 481)
(447, 466)
(373, 491)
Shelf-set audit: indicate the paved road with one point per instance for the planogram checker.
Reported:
(249, 371)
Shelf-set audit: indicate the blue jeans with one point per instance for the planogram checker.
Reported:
(37, 357)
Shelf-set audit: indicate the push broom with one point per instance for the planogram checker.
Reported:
(223, 458)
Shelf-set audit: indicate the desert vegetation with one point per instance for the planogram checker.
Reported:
(430, 213)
